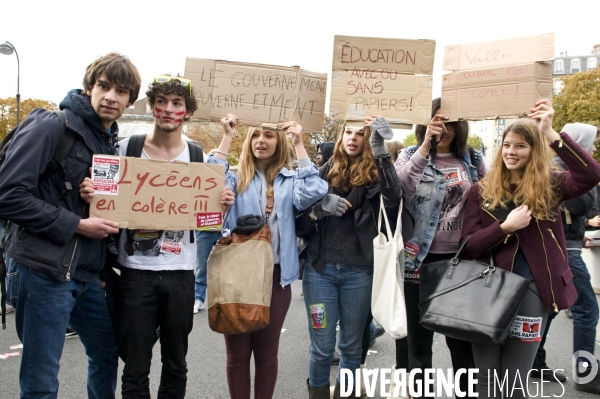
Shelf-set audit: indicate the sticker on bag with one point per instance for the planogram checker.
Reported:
(318, 318)
(526, 329)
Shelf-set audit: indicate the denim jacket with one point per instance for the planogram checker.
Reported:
(295, 191)
(425, 196)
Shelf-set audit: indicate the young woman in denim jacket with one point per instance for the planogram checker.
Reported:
(437, 182)
(338, 273)
(264, 171)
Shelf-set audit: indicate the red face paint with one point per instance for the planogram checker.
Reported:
(158, 109)
(180, 113)
(178, 120)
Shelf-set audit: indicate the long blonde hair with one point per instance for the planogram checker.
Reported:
(247, 165)
(345, 174)
(536, 188)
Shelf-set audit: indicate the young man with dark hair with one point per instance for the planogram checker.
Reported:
(157, 274)
(57, 249)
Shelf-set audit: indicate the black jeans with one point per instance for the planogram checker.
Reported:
(420, 339)
(149, 299)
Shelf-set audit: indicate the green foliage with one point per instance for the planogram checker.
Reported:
(475, 141)
(409, 140)
(579, 100)
(8, 111)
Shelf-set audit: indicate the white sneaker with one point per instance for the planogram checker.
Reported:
(198, 305)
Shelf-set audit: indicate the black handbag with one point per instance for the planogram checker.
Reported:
(470, 300)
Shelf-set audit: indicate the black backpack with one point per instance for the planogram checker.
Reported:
(65, 142)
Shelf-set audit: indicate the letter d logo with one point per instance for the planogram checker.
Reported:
(590, 362)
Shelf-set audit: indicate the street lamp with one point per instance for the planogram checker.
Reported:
(7, 49)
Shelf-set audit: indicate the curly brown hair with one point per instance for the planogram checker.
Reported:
(173, 86)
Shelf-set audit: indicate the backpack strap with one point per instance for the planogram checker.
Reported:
(196, 153)
(136, 145)
(65, 142)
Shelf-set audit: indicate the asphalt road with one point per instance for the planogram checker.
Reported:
(206, 360)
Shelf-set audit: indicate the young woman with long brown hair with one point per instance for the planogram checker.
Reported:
(265, 171)
(338, 273)
(513, 213)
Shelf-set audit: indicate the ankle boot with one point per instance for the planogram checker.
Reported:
(317, 393)
(592, 387)
(335, 393)
(540, 367)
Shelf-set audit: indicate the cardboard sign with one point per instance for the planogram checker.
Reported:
(387, 77)
(162, 195)
(517, 51)
(501, 92)
(258, 93)
(498, 79)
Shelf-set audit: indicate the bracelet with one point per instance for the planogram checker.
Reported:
(222, 153)
(423, 149)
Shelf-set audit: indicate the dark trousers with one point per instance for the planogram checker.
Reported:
(149, 299)
(420, 339)
(264, 344)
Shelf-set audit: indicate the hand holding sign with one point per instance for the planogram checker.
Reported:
(86, 190)
(229, 123)
(293, 131)
(435, 132)
(542, 114)
(227, 198)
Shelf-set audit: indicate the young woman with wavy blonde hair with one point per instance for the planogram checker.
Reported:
(264, 171)
(512, 214)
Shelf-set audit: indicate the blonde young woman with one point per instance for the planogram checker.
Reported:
(338, 272)
(513, 213)
(265, 170)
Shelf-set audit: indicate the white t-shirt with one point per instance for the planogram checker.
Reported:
(157, 249)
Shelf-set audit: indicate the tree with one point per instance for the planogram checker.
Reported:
(8, 111)
(209, 135)
(475, 141)
(579, 100)
(409, 140)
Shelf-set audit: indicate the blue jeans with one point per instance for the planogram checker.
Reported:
(341, 293)
(205, 240)
(45, 306)
(585, 308)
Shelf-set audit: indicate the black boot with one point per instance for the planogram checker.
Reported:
(592, 387)
(317, 393)
(540, 367)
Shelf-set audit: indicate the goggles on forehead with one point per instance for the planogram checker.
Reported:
(182, 81)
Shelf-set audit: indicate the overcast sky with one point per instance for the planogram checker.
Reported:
(56, 40)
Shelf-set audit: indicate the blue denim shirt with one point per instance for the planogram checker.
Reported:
(427, 202)
(295, 191)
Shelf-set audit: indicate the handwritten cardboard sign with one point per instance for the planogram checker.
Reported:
(258, 93)
(497, 79)
(500, 92)
(387, 77)
(522, 50)
(160, 195)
